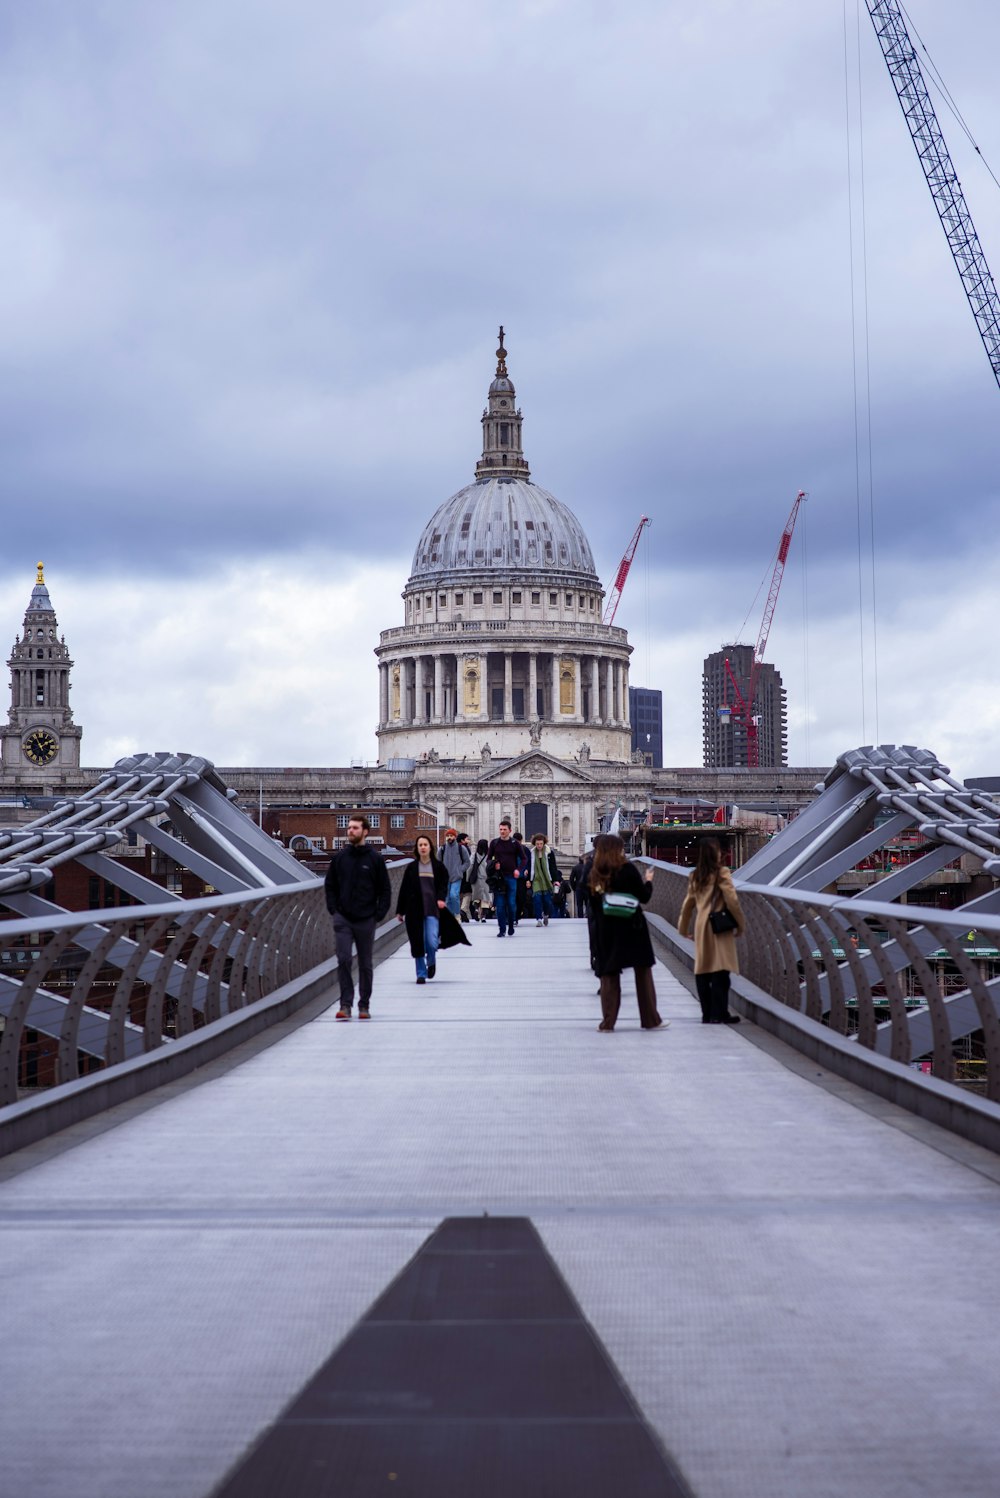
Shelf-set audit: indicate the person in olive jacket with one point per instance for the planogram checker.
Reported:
(621, 942)
(710, 886)
(358, 896)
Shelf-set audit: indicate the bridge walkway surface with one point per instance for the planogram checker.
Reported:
(794, 1282)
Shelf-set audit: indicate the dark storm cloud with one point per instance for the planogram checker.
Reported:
(252, 263)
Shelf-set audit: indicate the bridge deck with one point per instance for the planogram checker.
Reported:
(797, 1287)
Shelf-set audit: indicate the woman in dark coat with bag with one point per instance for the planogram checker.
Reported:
(423, 891)
(621, 937)
(710, 890)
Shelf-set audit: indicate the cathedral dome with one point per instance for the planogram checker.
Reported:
(503, 647)
(504, 524)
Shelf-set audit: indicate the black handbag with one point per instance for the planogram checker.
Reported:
(722, 921)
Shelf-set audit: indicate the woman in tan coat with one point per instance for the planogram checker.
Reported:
(709, 888)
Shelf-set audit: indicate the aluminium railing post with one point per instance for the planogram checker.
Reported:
(68, 1066)
(985, 1007)
(943, 1063)
(900, 1048)
(835, 979)
(153, 1027)
(145, 943)
(861, 987)
(230, 934)
(185, 998)
(14, 1019)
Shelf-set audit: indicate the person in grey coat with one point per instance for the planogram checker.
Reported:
(480, 898)
(456, 859)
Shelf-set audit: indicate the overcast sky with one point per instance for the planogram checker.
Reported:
(252, 261)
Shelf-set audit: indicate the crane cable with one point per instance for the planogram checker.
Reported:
(862, 400)
(806, 708)
(647, 621)
(768, 572)
(945, 93)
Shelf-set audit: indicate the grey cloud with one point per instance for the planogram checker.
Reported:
(254, 263)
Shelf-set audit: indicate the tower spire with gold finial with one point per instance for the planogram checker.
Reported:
(40, 737)
(502, 456)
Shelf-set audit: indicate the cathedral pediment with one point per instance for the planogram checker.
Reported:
(536, 766)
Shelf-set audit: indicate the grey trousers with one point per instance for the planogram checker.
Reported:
(350, 934)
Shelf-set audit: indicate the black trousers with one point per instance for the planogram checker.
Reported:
(350, 934)
(713, 996)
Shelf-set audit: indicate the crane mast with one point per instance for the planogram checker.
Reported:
(779, 569)
(614, 596)
(942, 179)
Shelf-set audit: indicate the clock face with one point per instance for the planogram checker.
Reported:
(40, 747)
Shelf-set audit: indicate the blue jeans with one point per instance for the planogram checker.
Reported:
(454, 899)
(543, 903)
(431, 933)
(506, 904)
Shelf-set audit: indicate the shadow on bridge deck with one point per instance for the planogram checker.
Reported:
(798, 1297)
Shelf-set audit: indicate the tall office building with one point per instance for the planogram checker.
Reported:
(645, 708)
(723, 730)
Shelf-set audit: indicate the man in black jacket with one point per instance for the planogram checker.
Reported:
(578, 884)
(358, 897)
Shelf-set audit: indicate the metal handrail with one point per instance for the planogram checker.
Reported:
(164, 971)
(822, 955)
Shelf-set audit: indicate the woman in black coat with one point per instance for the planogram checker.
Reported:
(621, 942)
(421, 905)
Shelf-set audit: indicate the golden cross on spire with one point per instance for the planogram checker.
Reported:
(501, 355)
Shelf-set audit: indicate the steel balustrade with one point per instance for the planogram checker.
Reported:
(824, 956)
(112, 984)
(200, 960)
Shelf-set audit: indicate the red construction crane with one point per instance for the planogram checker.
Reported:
(744, 705)
(614, 596)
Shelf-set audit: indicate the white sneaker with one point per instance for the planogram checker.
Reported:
(545, 921)
(538, 923)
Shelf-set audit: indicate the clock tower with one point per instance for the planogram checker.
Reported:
(40, 736)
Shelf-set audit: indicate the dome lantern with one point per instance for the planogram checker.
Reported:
(502, 456)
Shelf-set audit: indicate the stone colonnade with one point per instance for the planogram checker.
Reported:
(512, 686)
